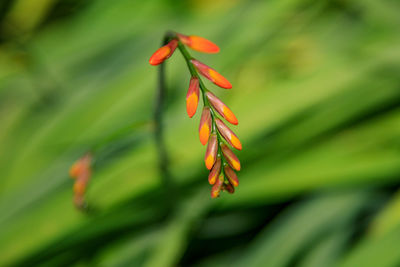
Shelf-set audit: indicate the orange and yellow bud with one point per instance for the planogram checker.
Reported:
(198, 43)
(215, 171)
(227, 133)
(211, 74)
(228, 187)
(211, 152)
(221, 108)
(217, 186)
(192, 97)
(163, 53)
(231, 175)
(205, 125)
(230, 157)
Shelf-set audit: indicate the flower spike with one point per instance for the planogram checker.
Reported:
(192, 97)
(163, 53)
(205, 125)
(222, 109)
(219, 158)
(198, 43)
(229, 136)
(211, 74)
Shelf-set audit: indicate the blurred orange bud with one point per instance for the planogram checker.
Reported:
(227, 133)
(215, 171)
(231, 175)
(198, 43)
(228, 187)
(80, 187)
(81, 170)
(217, 186)
(163, 53)
(192, 96)
(80, 166)
(211, 74)
(75, 169)
(211, 152)
(221, 108)
(205, 125)
(230, 157)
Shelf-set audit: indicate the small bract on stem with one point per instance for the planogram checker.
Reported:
(219, 158)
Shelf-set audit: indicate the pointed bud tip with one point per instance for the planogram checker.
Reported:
(205, 125)
(202, 45)
(236, 142)
(198, 43)
(216, 189)
(204, 134)
(219, 80)
(191, 104)
(229, 115)
(210, 162)
(160, 55)
(163, 53)
(231, 157)
(214, 194)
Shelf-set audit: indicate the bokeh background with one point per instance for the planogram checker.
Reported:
(316, 89)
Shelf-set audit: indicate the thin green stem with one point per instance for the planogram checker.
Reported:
(163, 158)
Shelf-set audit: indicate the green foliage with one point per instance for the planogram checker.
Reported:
(316, 91)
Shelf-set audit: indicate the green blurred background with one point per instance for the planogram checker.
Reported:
(316, 89)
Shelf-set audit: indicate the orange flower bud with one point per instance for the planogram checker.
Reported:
(221, 108)
(217, 186)
(163, 53)
(192, 96)
(231, 175)
(198, 43)
(215, 171)
(211, 74)
(230, 157)
(75, 169)
(80, 187)
(228, 187)
(227, 133)
(81, 170)
(205, 125)
(80, 166)
(211, 152)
